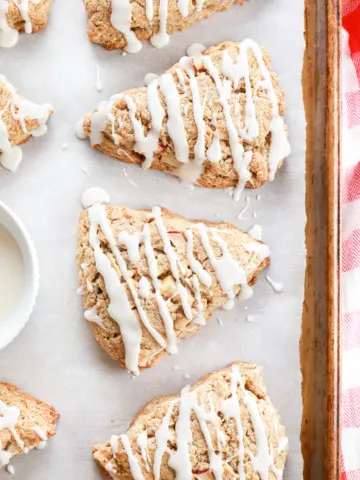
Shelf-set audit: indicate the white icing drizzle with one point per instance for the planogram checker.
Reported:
(195, 265)
(180, 75)
(161, 38)
(20, 109)
(277, 286)
(231, 409)
(256, 232)
(280, 147)
(149, 144)
(9, 416)
(189, 404)
(121, 12)
(213, 153)
(260, 249)
(247, 204)
(199, 320)
(114, 444)
(132, 243)
(163, 309)
(141, 443)
(228, 271)
(261, 460)
(134, 465)
(175, 123)
(232, 73)
(11, 159)
(149, 10)
(195, 50)
(162, 436)
(183, 7)
(237, 149)
(172, 257)
(149, 77)
(9, 36)
(119, 307)
(186, 64)
(94, 195)
(144, 287)
(92, 316)
(40, 433)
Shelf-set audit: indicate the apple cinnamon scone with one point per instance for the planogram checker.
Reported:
(21, 16)
(20, 119)
(25, 423)
(152, 278)
(224, 427)
(215, 119)
(124, 23)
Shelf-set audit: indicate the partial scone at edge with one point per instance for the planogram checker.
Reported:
(227, 147)
(32, 420)
(245, 258)
(132, 455)
(38, 14)
(102, 31)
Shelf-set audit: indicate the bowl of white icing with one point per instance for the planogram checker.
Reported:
(19, 275)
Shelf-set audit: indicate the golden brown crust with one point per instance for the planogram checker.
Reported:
(96, 298)
(38, 13)
(16, 133)
(101, 31)
(216, 387)
(216, 175)
(33, 412)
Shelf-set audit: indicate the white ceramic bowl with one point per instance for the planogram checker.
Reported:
(10, 328)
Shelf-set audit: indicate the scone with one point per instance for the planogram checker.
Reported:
(124, 23)
(152, 278)
(19, 120)
(224, 427)
(25, 423)
(214, 119)
(24, 16)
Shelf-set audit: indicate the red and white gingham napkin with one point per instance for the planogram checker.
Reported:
(350, 328)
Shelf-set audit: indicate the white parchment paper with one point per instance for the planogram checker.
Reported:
(56, 357)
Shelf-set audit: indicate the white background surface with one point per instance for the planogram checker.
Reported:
(56, 357)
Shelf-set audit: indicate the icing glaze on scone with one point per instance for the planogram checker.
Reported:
(124, 23)
(19, 119)
(25, 423)
(21, 16)
(156, 277)
(214, 119)
(224, 427)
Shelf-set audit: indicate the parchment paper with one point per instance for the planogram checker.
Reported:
(56, 357)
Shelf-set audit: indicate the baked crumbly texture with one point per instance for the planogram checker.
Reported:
(220, 116)
(19, 120)
(174, 273)
(224, 427)
(38, 13)
(102, 31)
(25, 423)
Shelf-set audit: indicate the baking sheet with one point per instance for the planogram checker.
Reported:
(56, 357)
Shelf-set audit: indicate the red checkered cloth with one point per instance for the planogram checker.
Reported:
(350, 420)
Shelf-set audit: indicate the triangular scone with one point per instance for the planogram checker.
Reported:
(25, 423)
(224, 427)
(123, 23)
(215, 119)
(19, 120)
(24, 16)
(152, 278)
